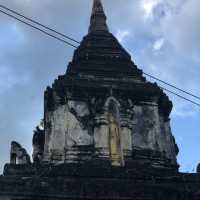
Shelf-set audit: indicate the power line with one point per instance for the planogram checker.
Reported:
(53, 36)
(72, 39)
(61, 40)
(173, 86)
(38, 23)
(180, 96)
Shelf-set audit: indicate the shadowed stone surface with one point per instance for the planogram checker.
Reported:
(18, 155)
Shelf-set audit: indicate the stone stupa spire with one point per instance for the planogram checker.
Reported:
(98, 18)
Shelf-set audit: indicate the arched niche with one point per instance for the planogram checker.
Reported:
(115, 147)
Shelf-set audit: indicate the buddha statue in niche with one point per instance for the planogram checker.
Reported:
(116, 153)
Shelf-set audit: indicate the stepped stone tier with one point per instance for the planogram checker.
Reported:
(106, 133)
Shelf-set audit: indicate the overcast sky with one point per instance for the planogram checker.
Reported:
(163, 37)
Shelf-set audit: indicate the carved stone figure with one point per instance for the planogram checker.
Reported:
(116, 151)
(18, 155)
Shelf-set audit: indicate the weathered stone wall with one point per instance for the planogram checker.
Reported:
(65, 130)
(38, 143)
(151, 131)
(18, 155)
(98, 181)
(5, 197)
(73, 126)
(167, 141)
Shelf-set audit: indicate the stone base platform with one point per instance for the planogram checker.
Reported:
(91, 181)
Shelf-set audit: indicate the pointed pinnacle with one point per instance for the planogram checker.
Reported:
(98, 18)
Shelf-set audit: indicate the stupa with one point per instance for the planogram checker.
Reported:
(105, 135)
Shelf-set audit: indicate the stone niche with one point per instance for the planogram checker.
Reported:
(112, 132)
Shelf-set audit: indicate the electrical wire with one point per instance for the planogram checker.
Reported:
(45, 32)
(38, 23)
(68, 43)
(180, 96)
(173, 86)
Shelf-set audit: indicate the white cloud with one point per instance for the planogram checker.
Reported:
(148, 7)
(175, 26)
(122, 34)
(182, 28)
(158, 44)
